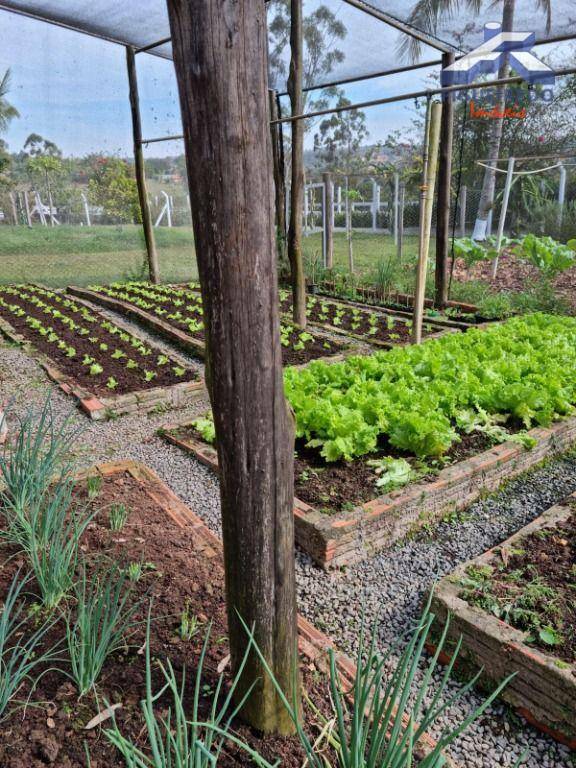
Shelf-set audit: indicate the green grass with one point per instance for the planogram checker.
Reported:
(368, 249)
(82, 255)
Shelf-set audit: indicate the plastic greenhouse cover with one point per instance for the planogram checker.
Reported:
(368, 46)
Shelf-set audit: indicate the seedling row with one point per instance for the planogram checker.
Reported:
(85, 345)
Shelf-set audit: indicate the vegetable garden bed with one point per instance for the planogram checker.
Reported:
(378, 329)
(108, 370)
(175, 313)
(396, 440)
(514, 608)
(162, 559)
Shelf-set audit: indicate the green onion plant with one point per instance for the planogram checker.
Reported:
(181, 738)
(104, 615)
(392, 705)
(20, 653)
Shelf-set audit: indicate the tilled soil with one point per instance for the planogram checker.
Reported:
(335, 486)
(177, 577)
(357, 322)
(295, 351)
(128, 379)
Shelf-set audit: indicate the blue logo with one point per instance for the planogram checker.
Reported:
(486, 58)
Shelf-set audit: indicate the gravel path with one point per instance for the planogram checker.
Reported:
(389, 585)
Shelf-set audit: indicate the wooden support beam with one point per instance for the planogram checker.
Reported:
(297, 190)
(218, 46)
(151, 251)
(444, 199)
(279, 180)
(328, 220)
(431, 141)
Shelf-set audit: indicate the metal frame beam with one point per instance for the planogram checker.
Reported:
(417, 95)
(402, 26)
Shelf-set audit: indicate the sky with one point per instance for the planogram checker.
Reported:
(72, 88)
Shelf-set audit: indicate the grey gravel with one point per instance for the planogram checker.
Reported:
(389, 586)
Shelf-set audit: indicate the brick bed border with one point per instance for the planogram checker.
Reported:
(313, 644)
(99, 408)
(176, 336)
(348, 537)
(544, 689)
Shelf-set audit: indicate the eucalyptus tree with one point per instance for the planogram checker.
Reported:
(427, 15)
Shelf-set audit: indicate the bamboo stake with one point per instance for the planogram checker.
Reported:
(431, 145)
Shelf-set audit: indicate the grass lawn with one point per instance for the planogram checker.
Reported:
(62, 255)
(82, 255)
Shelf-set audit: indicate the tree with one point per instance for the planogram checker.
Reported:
(7, 114)
(44, 162)
(426, 14)
(229, 158)
(339, 139)
(113, 187)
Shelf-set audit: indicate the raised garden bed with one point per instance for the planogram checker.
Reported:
(179, 568)
(375, 328)
(444, 422)
(350, 521)
(175, 313)
(108, 370)
(402, 302)
(514, 608)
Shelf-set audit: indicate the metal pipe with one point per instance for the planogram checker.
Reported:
(177, 137)
(417, 95)
(151, 46)
(361, 78)
(401, 25)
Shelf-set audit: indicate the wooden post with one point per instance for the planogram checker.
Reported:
(279, 181)
(328, 219)
(14, 209)
(426, 202)
(295, 85)
(463, 206)
(503, 212)
(27, 209)
(444, 198)
(396, 192)
(218, 46)
(400, 243)
(348, 210)
(139, 168)
(561, 193)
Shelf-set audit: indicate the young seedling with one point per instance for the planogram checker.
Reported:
(117, 517)
(93, 486)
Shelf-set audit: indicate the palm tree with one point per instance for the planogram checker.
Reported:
(7, 111)
(426, 15)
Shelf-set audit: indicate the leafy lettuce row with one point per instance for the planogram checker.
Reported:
(524, 369)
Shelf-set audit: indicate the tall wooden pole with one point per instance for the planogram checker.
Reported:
(444, 192)
(279, 181)
(431, 142)
(295, 85)
(139, 167)
(401, 195)
(328, 219)
(220, 58)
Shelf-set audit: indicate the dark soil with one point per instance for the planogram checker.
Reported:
(335, 486)
(546, 557)
(177, 577)
(129, 379)
(355, 321)
(162, 304)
